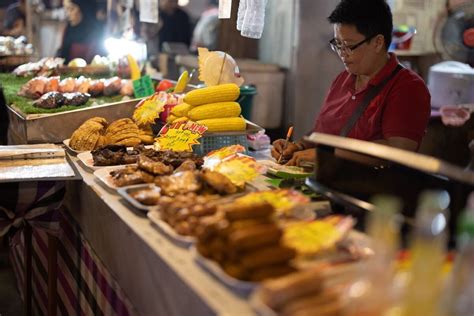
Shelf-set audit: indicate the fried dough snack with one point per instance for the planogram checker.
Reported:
(123, 132)
(89, 134)
(96, 132)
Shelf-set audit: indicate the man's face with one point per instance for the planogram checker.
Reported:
(360, 60)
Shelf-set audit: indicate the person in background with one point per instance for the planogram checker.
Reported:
(174, 24)
(398, 114)
(83, 36)
(14, 23)
(206, 32)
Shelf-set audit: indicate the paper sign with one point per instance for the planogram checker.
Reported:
(225, 9)
(149, 11)
(239, 169)
(179, 136)
(143, 87)
(148, 110)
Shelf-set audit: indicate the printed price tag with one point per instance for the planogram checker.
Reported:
(179, 136)
(143, 87)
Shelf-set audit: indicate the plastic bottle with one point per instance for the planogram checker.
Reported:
(423, 291)
(459, 294)
(372, 294)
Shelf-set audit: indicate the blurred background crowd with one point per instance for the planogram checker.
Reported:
(69, 28)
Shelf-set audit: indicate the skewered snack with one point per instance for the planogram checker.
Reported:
(96, 87)
(112, 86)
(34, 88)
(39, 68)
(52, 84)
(38, 86)
(50, 100)
(127, 87)
(156, 168)
(114, 155)
(82, 84)
(76, 98)
(184, 212)
(174, 158)
(179, 183)
(218, 182)
(67, 85)
(316, 291)
(131, 175)
(245, 241)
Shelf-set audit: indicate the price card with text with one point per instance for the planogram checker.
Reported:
(143, 87)
(179, 136)
(239, 169)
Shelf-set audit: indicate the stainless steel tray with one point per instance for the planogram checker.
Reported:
(125, 193)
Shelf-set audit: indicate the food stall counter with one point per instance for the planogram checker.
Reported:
(158, 276)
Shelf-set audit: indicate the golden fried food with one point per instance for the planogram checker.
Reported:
(129, 142)
(147, 139)
(96, 132)
(99, 120)
(87, 136)
(115, 138)
(118, 124)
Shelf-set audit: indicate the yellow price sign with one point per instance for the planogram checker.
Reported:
(239, 170)
(179, 136)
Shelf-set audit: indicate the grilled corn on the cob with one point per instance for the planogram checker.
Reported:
(228, 124)
(213, 94)
(181, 109)
(215, 110)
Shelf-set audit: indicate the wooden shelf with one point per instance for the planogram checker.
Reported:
(408, 53)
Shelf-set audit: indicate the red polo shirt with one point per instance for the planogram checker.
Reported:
(401, 109)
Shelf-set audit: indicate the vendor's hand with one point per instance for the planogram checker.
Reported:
(302, 156)
(278, 147)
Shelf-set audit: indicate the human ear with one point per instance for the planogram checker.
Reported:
(379, 43)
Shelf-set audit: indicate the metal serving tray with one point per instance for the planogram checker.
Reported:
(56, 127)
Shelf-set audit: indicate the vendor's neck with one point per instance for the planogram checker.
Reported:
(378, 64)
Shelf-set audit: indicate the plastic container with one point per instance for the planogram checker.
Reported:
(246, 100)
(213, 142)
(402, 37)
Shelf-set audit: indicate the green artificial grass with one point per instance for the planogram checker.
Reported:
(11, 85)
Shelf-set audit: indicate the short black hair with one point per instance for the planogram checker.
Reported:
(370, 17)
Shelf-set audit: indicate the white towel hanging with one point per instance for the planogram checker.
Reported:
(241, 13)
(254, 19)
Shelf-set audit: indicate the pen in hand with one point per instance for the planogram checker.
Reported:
(288, 136)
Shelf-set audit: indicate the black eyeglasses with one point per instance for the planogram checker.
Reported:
(348, 50)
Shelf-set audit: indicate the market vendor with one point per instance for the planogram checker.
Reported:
(83, 36)
(374, 98)
(14, 23)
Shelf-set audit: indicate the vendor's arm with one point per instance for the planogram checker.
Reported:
(289, 149)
